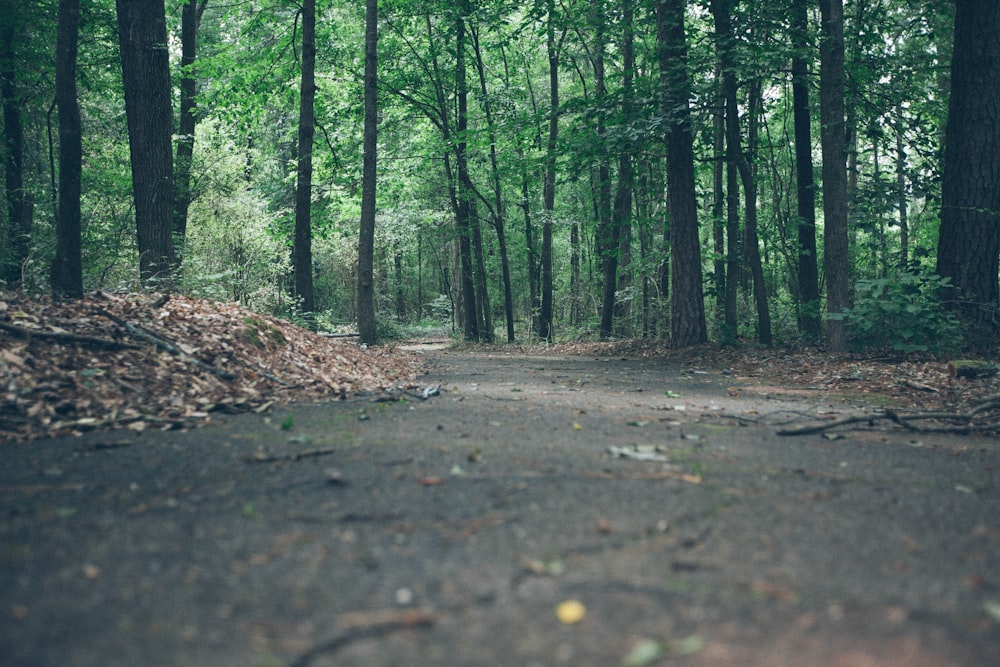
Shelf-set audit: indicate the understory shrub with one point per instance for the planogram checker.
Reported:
(902, 312)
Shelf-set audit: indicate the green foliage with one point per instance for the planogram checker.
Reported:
(902, 312)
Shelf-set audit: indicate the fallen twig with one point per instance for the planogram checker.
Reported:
(166, 346)
(960, 422)
(365, 625)
(64, 337)
(261, 457)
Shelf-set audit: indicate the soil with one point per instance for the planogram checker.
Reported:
(652, 494)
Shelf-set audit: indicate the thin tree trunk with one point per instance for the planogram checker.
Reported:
(499, 210)
(809, 322)
(190, 18)
(718, 215)
(834, 143)
(529, 244)
(464, 221)
(687, 326)
(549, 188)
(622, 212)
(18, 232)
(721, 10)
(607, 230)
(901, 194)
(67, 266)
(302, 251)
(367, 325)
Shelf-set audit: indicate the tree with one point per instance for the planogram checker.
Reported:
(18, 232)
(607, 229)
(67, 266)
(687, 325)
(142, 33)
(808, 273)
(497, 206)
(302, 250)
(725, 42)
(836, 261)
(545, 324)
(367, 329)
(969, 238)
(191, 14)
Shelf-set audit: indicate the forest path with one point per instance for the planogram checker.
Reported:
(448, 530)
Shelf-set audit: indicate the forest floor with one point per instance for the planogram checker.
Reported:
(584, 504)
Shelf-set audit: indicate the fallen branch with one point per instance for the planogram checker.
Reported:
(261, 457)
(64, 337)
(961, 422)
(166, 346)
(368, 625)
(826, 426)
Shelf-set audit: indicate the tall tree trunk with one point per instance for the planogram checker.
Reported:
(529, 243)
(725, 41)
(836, 261)
(749, 177)
(622, 212)
(969, 237)
(367, 327)
(809, 322)
(719, 218)
(302, 250)
(67, 266)
(464, 218)
(687, 325)
(901, 194)
(499, 209)
(549, 188)
(607, 231)
(142, 32)
(190, 17)
(18, 232)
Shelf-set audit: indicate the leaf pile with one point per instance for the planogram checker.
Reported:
(138, 361)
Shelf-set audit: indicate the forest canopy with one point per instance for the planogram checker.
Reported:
(688, 170)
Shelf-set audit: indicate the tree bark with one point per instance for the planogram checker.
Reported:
(367, 328)
(624, 192)
(969, 237)
(302, 250)
(67, 266)
(499, 209)
(809, 322)
(607, 229)
(142, 32)
(549, 187)
(687, 325)
(18, 232)
(464, 215)
(190, 18)
(836, 260)
(901, 194)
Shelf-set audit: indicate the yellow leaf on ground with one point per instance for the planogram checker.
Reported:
(570, 611)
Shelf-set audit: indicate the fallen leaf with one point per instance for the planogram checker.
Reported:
(570, 612)
(643, 653)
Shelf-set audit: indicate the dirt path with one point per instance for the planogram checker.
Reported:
(446, 531)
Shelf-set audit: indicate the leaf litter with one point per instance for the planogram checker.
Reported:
(169, 361)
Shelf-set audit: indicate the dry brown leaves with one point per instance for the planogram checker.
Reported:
(167, 362)
(914, 381)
